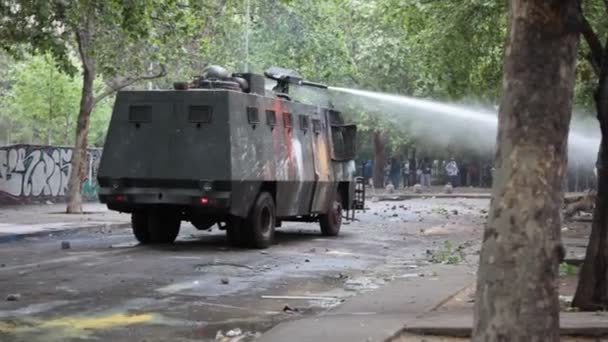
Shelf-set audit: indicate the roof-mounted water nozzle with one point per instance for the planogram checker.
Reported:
(285, 77)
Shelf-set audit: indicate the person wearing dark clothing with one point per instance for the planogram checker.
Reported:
(425, 176)
(395, 172)
(368, 167)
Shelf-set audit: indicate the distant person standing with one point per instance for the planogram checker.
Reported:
(451, 169)
(405, 173)
(425, 173)
(473, 173)
(367, 170)
(395, 172)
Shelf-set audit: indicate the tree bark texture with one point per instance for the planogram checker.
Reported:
(79, 155)
(517, 297)
(379, 159)
(592, 289)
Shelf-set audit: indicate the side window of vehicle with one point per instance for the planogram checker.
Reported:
(316, 126)
(343, 140)
(271, 118)
(288, 120)
(304, 123)
(252, 115)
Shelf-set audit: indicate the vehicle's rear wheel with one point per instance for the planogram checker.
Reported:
(236, 232)
(163, 226)
(261, 222)
(203, 222)
(139, 222)
(332, 221)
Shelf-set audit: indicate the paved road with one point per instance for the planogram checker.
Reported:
(109, 288)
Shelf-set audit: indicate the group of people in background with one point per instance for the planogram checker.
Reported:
(399, 173)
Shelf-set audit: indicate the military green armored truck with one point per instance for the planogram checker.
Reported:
(222, 149)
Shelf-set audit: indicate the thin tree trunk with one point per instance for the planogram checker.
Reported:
(50, 119)
(592, 289)
(82, 126)
(413, 167)
(379, 159)
(517, 298)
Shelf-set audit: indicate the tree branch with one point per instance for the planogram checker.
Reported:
(601, 96)
(594, 43)
(129, 81)
(82, 40)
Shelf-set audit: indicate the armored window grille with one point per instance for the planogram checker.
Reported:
(288, 120)
(139, 114)
(200, 114)
(271, 117)
(252, 115)
(304, 124)
(316, 125)
(334, 117)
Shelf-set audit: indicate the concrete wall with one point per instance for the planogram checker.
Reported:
(34, 173)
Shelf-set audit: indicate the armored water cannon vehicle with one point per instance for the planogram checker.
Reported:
(221, 149)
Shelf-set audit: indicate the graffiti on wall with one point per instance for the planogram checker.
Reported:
(31, 173)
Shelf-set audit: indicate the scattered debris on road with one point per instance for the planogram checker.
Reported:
(236, 335)
(65, 245)
(299, 298)
(289, 309)
(13, 297)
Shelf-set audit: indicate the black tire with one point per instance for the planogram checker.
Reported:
(203, 223)
(163, 226)
(236, 234)
(332, 221)
(261, 222)
(139, 223)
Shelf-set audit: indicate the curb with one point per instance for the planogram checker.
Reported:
(460, 325)
(383, 198)
(7, 238)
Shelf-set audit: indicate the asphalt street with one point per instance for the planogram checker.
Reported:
(107, 287)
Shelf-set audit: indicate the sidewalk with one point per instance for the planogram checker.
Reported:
(31, 220)
(405, 194)
(435, 308)
(379, 314)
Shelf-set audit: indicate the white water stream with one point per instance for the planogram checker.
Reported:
(473, 128)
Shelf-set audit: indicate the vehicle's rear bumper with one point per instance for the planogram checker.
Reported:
(129, 199)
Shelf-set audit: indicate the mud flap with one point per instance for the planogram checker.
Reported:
(243, 196)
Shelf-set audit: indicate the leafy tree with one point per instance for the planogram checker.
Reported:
(43, 100)
(121, 39)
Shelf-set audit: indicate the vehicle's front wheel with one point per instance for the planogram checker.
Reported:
(163, 226)
(332, 221)
(261, 222)
(139, 223)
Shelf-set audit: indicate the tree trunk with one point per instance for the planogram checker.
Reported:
(379, 159)
(517, 298)
(413, 168)
(79, 155)
(592, 289)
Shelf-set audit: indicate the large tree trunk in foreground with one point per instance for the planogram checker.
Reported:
(79, 155)
(592, 289)
(379, 159)
(517, 298)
